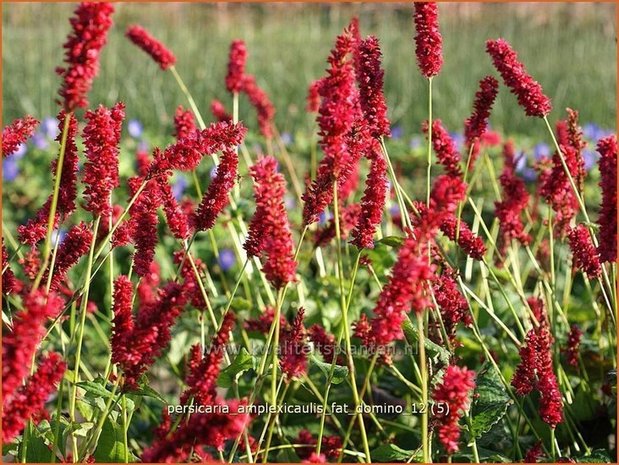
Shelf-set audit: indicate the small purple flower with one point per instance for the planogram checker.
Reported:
(415, 142)
(289, 202)
(213, 172)
(287, 138)
(143, 146)
(592, 131)
(58, 235)
(324, 218)
(21, 151)
(40, 141)
(529, 174)
(458, 139)
(178, 188)
(541, 150)
(10, 170)
(590, 158)
(396, 132)
(521, 162)
(227, 259)
(135, 128)
(394, 210)
(49, 127)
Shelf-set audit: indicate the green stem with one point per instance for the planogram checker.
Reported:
(80, 338)
(429, 160)
(424, 390)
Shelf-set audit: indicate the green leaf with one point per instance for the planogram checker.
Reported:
(490, 404)
(392, 241)
(145, 390)
(110, 448)
(239, 303)
(436, 352)
(340, 373)
(243, 362)
(596, 456)
(96, 388)
(391, 453)
(37, 451)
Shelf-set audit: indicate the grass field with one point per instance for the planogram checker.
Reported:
(288, 46)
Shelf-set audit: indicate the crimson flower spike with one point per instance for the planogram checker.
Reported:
(216, 197)
(369, 76)
(157, 51)
(90, 24)
(35, 229)
(428, 40)
(236, 66)
(454, 391)
(219, 111)
(261, 102)
(102, 139)
(16, 133)
(476, 125)
(269, 230)
(607, 148)
(184, 122)
(528, 91)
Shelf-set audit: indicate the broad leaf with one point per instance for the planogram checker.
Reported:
(490, 404)
(340, 373)
(391, 453)
(243, 362)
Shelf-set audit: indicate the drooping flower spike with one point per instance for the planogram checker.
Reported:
(219, 111)
(585, 255)
(17, 133)
(476, 125)
(75, 245)
(184, 123)
(515, 76)
(261, 102)
(445, 148)
(90, 26)
(428, 39)
(157, 51)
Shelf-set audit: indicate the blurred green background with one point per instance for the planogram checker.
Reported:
(569, 48)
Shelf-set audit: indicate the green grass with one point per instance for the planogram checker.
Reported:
(570, 49)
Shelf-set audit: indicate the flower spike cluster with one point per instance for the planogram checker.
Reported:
(428, 40)
(90, 25)
(269, 231)
(17, 133)
(528, 91)
(157, 51)
(102, 141)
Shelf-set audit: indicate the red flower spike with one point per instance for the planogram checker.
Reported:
(90, 26)
(528, 91)
(202, 377)
(175, 216)
(215, 198)
(75, 245)
(607, 148)
(157, 51)
(515, 201)
(36, 228)
(428, 39)
(468, 241)
(453, 306)
(17, 133)
(454, 391)
(123, 318)
(572, 348)
(9, 281)
(102, 140)
(369, 76)
(219, 111)
(269, 230)
(236, 66)
(476, 125)
(294, 349)
(261, 102)
(445, 148)
(523, 380)
(19, 345)
(29, 400)
(184, 123)
(585, 255)
(186, 153)
(372, 203)
(349, 217)
(313, 96)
